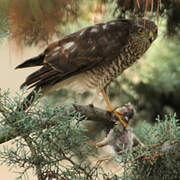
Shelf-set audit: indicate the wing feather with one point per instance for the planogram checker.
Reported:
(78, 52)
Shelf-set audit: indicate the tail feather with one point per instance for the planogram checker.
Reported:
(35, 61)
(40, 75)
(49, 80)
(31, 97)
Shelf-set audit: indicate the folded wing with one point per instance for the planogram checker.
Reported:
(77, 53)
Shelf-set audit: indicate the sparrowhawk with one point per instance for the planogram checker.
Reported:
(90, 58)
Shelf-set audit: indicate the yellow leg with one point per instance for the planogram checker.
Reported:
(111, 109)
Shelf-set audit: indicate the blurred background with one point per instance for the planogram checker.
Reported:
(152, 85)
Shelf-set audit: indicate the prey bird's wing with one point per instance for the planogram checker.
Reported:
(77, 53)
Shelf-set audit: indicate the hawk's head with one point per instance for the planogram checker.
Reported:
(144, 30)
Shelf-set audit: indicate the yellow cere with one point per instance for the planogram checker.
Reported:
(150, 34)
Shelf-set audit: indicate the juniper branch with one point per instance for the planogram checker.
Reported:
(89, 112)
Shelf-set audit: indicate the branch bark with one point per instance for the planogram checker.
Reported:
(89, 111)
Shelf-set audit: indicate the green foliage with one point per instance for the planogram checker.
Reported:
(159, 158)
(54, 144)
(56, 147)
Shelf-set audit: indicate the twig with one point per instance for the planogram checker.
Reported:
(141, 155)
(75, 164)
(34, 154)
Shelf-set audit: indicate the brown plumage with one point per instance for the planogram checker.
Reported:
(90, 58)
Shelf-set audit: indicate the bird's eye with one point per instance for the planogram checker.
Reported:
(141, 31)
(156, 31)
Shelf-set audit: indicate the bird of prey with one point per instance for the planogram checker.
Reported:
(90, 58)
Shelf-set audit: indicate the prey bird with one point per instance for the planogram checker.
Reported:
(90, 58)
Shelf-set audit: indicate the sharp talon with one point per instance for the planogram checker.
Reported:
(120, 113)
(119, 116)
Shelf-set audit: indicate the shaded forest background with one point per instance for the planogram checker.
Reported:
(152, 85)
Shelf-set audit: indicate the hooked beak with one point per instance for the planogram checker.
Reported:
(151, 37)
